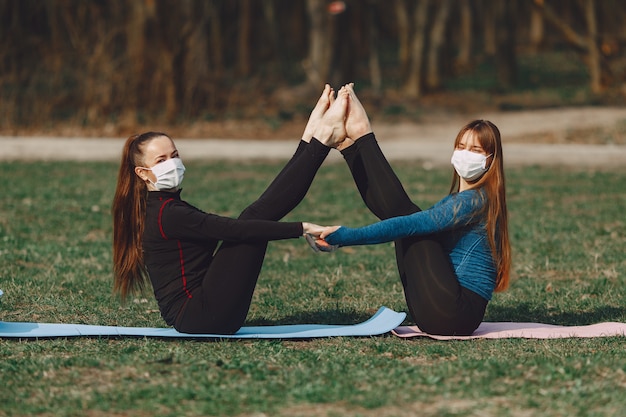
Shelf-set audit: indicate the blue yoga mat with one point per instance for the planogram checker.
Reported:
(382, 322)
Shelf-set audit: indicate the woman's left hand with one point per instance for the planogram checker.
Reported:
(328, 230)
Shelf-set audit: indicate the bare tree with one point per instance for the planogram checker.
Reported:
(465, 34)
(243, 44)
(196, 68)
(489, 22)
(594, 64)
(139, 13)
(316, 63)
(272, 24)
(404, 35)
(586, 42)
(506, 55)
(167, 60)
(537, 31)
(437, 39)
(100, 65)
(374, 58)
(413, 86)
(215, 41)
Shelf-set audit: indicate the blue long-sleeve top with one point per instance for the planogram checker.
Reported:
(457, 222)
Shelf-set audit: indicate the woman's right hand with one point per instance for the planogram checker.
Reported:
(314, 236)
(312, 229)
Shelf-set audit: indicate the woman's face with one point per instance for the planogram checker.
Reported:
(470, 142)
(157, 150)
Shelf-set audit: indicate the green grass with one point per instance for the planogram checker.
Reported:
(568, 234)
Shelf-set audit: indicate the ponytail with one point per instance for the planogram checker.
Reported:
(128, 210)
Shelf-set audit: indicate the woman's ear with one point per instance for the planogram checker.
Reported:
(140, 172)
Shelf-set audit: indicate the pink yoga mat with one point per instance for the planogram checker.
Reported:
(503, 330)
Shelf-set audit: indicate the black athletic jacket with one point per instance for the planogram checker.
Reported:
(179, 241)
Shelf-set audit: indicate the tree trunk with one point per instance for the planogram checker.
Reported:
(342, 45)
(96, 94)
(163, 54)
(56, 46)
(316, 63)
(374, 60)
(243, 50)
(594, 63)
(506, 57)
(489, 22)
(437, 39)
(195, 70)
(463, 57)
(167, 79)
(413, 87)
(135, 47)
(587, 44)
(536, 29)
(269, 13)
(215, 41)
(570, 35)
(404, 36)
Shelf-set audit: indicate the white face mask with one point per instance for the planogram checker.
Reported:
(469, 165)
(169, 174)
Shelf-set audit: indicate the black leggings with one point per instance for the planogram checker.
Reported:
(436, 300)
(221, 304)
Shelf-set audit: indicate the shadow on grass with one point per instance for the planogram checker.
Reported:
(317, 317)
(523, 312)
(537, 313)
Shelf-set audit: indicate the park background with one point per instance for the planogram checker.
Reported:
(253, 69)
(198, 68)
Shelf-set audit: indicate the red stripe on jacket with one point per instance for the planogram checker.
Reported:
(181, 256)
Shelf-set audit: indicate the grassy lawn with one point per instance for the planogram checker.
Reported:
(568, 233)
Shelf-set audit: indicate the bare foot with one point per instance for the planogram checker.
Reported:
(324, 102)
(357, 122)
(331, 130)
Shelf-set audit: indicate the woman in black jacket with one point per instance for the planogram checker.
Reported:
(204, 267)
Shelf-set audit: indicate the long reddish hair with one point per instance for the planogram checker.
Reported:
(128, 210)
(492, 182)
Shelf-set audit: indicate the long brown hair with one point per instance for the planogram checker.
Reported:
(128, 210)
(493, 183)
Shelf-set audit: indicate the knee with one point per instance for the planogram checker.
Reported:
(249, 212)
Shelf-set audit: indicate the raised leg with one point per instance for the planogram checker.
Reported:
(221, 304)
(378, 184)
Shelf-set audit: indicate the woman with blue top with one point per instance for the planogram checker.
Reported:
(452, 256)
